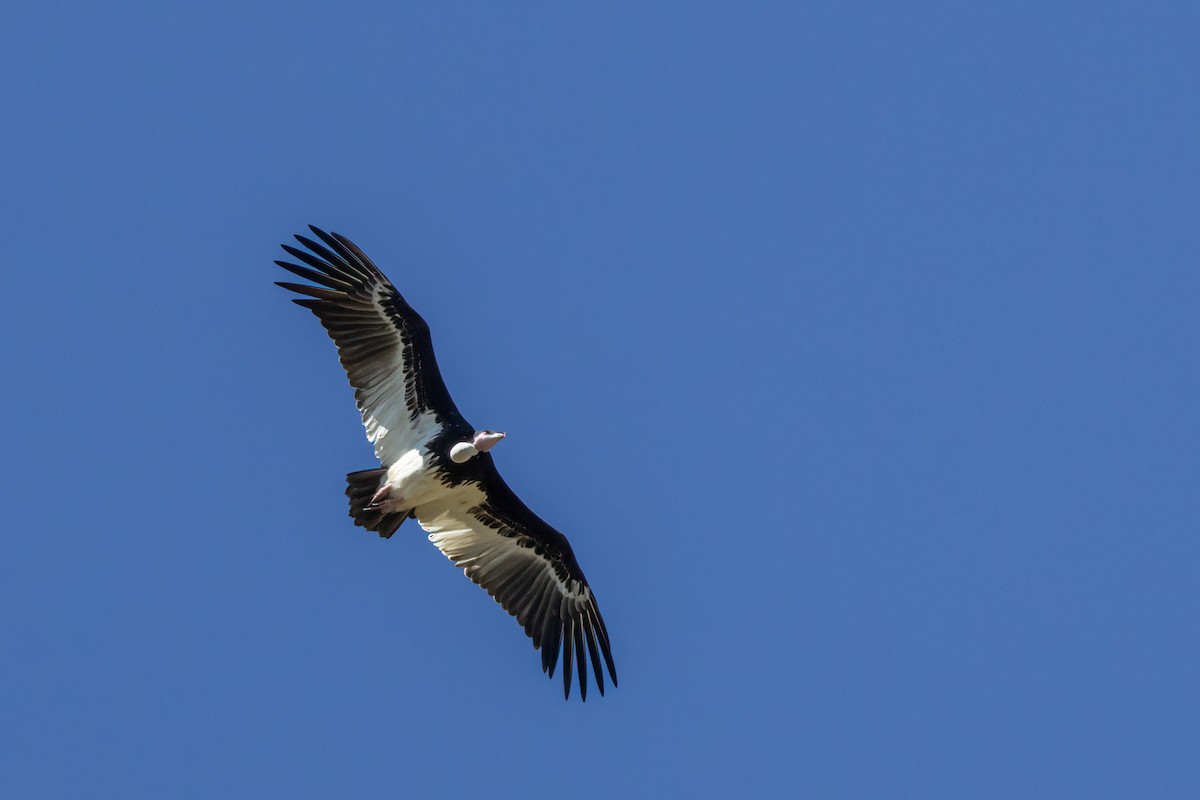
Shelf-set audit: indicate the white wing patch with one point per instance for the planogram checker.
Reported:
(483, 552)
(382, 343)
(527, 576)
(379, 370)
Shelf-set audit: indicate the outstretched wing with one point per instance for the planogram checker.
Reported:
(382, 342)
(528, 567)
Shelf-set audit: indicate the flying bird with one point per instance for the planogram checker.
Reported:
(437, 468)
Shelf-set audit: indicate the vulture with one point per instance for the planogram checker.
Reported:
(437, 468)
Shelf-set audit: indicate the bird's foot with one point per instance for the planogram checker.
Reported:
(384, 501)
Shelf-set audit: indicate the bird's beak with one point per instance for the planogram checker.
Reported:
(486, 441)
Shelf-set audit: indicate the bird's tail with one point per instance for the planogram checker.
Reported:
(360, 488)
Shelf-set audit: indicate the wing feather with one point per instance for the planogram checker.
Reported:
(593, 653)
(529, 569)
(568, 648)
(383, 344)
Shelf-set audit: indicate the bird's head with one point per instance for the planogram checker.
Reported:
(481, 442)
(486, 440)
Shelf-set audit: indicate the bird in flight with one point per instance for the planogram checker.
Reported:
(436, 467)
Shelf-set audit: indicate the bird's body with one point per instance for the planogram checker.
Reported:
(436, 467)
(410, 481)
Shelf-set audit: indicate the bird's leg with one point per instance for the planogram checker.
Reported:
(380, 496)
(385, 501)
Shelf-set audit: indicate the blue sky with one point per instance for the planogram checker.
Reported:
(853, 347)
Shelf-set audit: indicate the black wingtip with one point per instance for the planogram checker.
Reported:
(324, 237)
(568, 645)
(594, 655)
(581, 661)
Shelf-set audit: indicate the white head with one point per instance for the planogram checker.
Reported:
(481, 442)
(486, 440)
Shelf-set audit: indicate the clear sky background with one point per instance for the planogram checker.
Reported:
(854, 347)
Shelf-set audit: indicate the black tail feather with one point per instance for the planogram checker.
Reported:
(360, 488)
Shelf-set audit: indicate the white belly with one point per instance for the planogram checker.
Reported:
(411, 480)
